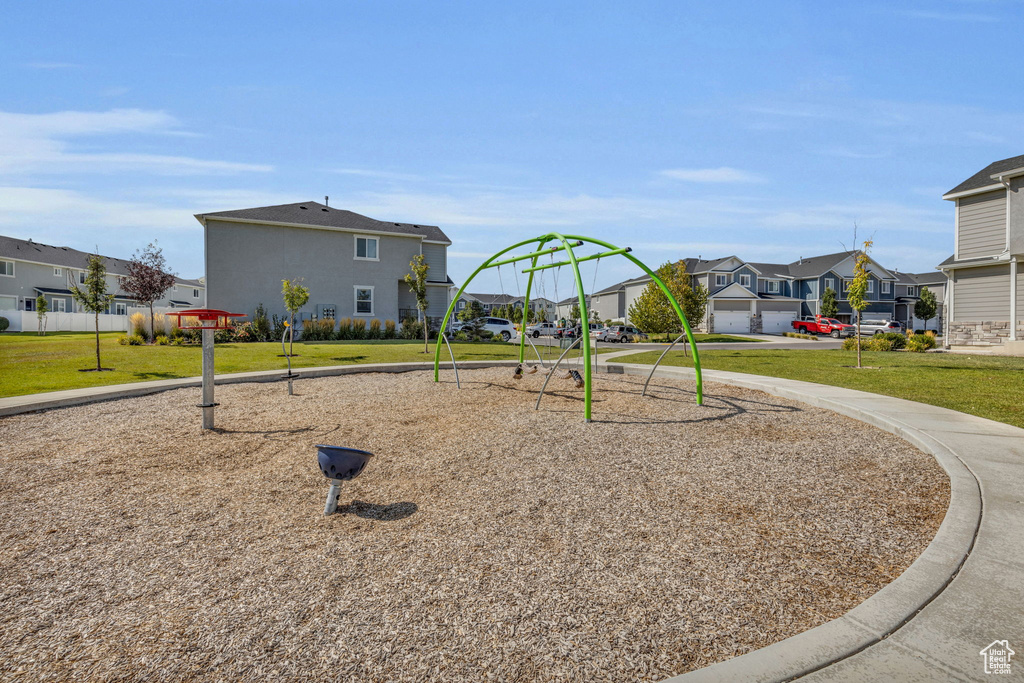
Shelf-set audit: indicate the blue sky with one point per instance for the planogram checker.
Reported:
(762, 129)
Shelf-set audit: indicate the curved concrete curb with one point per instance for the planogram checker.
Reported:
(881, 615)
(73, 397)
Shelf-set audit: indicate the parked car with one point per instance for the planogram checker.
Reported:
(572, 332)
(492, 326)
(542, 330)
(879, 326)
(815, 324)
(621, 334)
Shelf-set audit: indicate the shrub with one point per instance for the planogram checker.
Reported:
(925, 340)
(496, 337)
(850, 344)
(461, 336)
(898, 340)
(220, 336)
(359, 328)
(277, 333)
(162, 340)
(880, 343)
(389, 329)
(4, 324)
(375, 332)
(244, 332)
(139, 326)
(159, 324)
(344, 329)
(261, 329)
(131, 340)
(318, 330)
(411, 329)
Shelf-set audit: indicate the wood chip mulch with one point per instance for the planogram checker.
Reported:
(486, 541)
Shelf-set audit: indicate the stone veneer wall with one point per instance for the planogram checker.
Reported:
(982, 333)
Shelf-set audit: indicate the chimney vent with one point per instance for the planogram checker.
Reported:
(325, 200)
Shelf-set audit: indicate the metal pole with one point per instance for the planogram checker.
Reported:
(332, 497)
(208, 403)
(644, 392)
(553, 368)
(452, 354)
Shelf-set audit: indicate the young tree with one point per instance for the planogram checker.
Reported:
(42, 308)
(829, 307)
(574, 314)
(93, 296)
(471, 312)
(652, 311)
(859, 288)
(147, 280)
(926, 306)
(295, 297)
(417, 281)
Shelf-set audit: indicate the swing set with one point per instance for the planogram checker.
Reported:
(567, 244)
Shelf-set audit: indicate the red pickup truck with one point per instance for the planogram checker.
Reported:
(819, 325)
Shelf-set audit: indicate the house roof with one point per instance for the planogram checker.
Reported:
(772, 270)
(817, 265)
(934, 277)
(983, 178)
(27, 250)
(52, 290)
(492, 299)
(321, 216)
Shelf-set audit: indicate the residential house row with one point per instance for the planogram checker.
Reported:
(29, 269)
(750, 297)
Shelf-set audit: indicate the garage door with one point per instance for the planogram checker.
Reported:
(732, 321)
(777, 322)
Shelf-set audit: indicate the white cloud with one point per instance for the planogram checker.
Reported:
(38, 143)
(723, 174)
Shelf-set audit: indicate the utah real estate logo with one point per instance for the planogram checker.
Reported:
(997, 657)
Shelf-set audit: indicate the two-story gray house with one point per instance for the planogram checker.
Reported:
(354, 266)
(28, 269)
(985, 300)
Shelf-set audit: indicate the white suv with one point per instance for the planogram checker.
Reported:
(875, 326)
(542, 330)
(492, 326)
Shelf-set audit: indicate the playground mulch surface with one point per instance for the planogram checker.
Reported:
(486, 541)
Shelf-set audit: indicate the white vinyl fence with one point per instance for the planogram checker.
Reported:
(27, 321)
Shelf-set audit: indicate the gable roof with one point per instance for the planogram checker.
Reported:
(983, 178)
(772, 270)
(66, 257)
(935, 277)
(319, 215)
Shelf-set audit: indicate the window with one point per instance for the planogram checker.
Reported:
(461, 305)
(195, 293)
(7, 268)
(121, 309)
(174, 288)
(830, 284)
(57, 272)
(846, 286)
(773, 286)
(30, 304)
(721, 280)
(886, 287)
(59, 305)
(745, 280)
(364, 300)
(366, 248)
(911, 291)
(81, 277)
(871, 287)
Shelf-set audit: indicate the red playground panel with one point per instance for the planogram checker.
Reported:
(206, 318)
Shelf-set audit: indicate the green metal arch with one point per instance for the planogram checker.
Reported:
(584, 313)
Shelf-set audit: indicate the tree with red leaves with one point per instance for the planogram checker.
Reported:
(148, 280)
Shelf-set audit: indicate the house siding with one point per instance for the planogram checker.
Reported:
(732, 305)
(247, 262)
(981, 294)
(982, 225)
(435, 256)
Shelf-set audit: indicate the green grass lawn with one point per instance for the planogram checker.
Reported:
(987, 386)
(31, 364)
